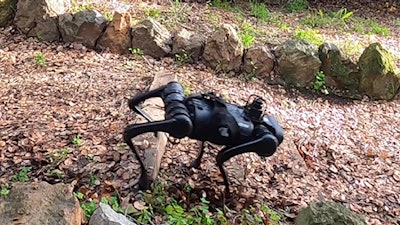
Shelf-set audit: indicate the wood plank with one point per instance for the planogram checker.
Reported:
(154, 150)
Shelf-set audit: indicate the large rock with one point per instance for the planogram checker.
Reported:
(259, 61)
(151, 37)
(83, 27)
(117, 37)
(380, 79)
(328, 213)
(39, 18)
(105, 215)
(40, 204)
(224, 50)
(7, 9)
(190, 43)
(340, 72)
(298, 62)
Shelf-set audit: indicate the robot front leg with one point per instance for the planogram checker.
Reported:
(267, 141)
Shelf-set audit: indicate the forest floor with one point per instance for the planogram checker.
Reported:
(62, 121)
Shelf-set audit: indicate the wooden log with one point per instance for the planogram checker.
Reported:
(152, 145)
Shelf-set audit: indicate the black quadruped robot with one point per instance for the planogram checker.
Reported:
(206, 117)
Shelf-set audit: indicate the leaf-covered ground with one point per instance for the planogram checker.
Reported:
(65, 120)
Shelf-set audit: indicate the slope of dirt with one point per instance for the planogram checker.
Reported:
(334, 149)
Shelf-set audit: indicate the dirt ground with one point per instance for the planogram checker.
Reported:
(334, 148)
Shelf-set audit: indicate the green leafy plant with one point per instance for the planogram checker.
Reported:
(319, 82)
(259, 11)
(250, 217)
(88, 208)
(93, 179)
(247, 34)
(136, 51)
(310, 35)
(40, 59)
(221, 4)
(22, 175)
(60, 155)
(109, 16)
(182, 57)
(77, 140)
(5, 189)
(376, 28)
(152, 12)
(397, 23)
(113, 202)
(296, 5)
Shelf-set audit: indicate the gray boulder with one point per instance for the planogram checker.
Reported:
(105, 215)
(340, 72)
(259, 61)
(40, 204)
(190, 43)
(39, 18)
(223, 50)
(83, 27)
(117, 37)
(298, 62)
(7, 9)
(151, 37)
(380, 78)
(328, 213)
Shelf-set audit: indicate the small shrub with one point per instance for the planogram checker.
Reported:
(296, 5)
(5, 189)
(316, 19)
(40, 59)
(342, 15)
(22, 175)
(88, 208)
(319, 82)
(259, 11)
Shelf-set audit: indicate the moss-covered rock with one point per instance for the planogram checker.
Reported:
(380, 78)
(298, 62)
(7, 11)
(340, 72)
(328, 213)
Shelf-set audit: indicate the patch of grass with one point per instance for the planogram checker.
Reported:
(222, 4)
(397, 23)
(311, 35)
(296, 5)
(22, 175)
(316, 19)
(177, 13)
(247, 34)
(40, 59)
(369, 26)
(77, 140)
(259, 11)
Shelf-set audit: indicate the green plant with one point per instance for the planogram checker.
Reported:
(247, 34)
(182, 57)
(77, 140)
(22, 175)
(136, 51)
(109, 16)
(40, 59)
(5, 189)
(221, 4)
(88, 208)
(93, 179)
(376, 28)
(113, 202)
(59, 156)
(272, 215)
(397, 23)
(319, 82)
(78, 7)
(152, 12)
(259, 11)
(342, 15)
(296, 5)
(310, 35)
(249, 217)
(316, 19)
(187, 92)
